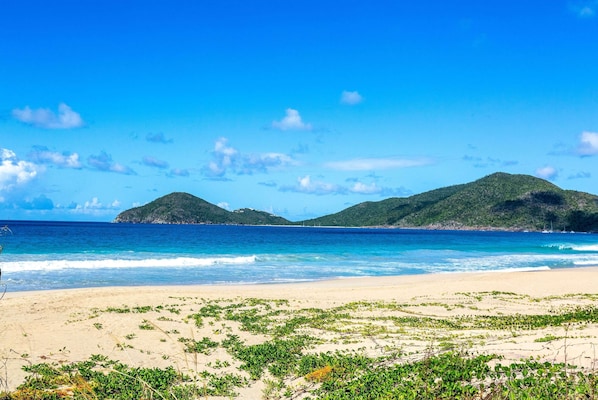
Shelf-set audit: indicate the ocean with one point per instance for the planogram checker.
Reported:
(41, 255)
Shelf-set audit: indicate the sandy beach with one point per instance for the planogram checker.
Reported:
(143, 326)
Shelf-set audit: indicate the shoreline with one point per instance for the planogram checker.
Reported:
(501, 278)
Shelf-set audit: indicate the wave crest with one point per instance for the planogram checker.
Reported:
(176, 262)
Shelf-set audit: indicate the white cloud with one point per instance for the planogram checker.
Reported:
(227, 158)
(351, 98)
(43, 155)
(103, 162)
(47, 119)
(224, 158)
(95, 207)
(292, 121)
(224, 205)
(306, 185)
(366, 164)
(360, 187)
(14, 172)
(588, 144)
(547, 172)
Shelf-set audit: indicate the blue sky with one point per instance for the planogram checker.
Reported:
(298, 108)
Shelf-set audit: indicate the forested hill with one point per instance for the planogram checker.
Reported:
(497, 201)
(500, 201)
(184, 208)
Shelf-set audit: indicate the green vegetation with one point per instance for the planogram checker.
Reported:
(383, 350)
(183, 208)
(496, 201)
(327, 376)
(500, 201)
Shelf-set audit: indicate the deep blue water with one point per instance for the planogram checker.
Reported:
(42, 255)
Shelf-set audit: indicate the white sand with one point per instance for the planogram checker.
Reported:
(71, 325)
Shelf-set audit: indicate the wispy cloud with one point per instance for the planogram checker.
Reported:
(158, 138)
(47, 119)
(43, 155)
(103, 162)
(580, 175)
(179, 172)
(226, 158)
(291, 121)
(351, 98)
(547, 172)
(15, 172)
(480, 162)
(588, 144)
(154, 162)
(585, 8)
(368, 164)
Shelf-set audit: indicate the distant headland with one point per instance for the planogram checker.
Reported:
(499, 201)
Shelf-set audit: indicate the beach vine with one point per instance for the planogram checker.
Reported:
(422, 349)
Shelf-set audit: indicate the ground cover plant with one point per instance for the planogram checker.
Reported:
(427, 348)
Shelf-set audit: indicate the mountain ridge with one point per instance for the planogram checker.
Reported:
(497, 201)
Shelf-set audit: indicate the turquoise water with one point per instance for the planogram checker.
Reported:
(53, 255)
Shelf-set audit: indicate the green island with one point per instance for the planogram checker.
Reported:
(498, 201)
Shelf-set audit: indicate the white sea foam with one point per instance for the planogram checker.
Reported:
(575, 247)
(589, 247)
(514, 262)
(175, 262)
(586, 262)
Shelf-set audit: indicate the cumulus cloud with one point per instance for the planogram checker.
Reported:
(47, 119)
(103, 162)
(94, 207)
(226, 158)
(367, 164)
(43, 155)
(157, 138)
(15, 172)
(154, 162)
(547, 172)
(588, 144)
(291, 121)
(351, 98)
